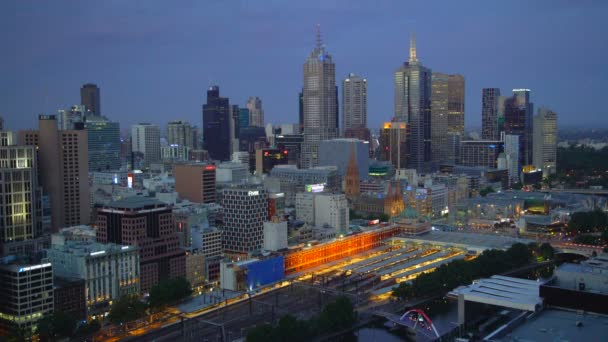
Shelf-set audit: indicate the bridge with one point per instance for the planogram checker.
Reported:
(577, 248)
(414, 319)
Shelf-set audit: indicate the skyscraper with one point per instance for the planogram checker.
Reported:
(439, 116)
(394, 140)
(148, 224)
(518, 121)
(413, 106)
(104, 143)
(245, 210)
(64, 170)
(319, 102)
(182, 133)
(145, 139)
(354, 102)
(216, 125)
(545, 141)
(89, 97)
(489, 113)
(456, 86)
(21, 219)
(256, 112)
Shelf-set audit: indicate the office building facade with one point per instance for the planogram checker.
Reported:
(354, 102)
(456, 92)
(518, 121)
(104, 143)
(480, 152)
(256, 112)
(216, 125)
(26, 295)
(545, 141)
(145, 139)
(336, 152)
(149, 225)
(490, 128)
(182, 133)
(90, 98)
(245, 210)
(64, 170)
(20, 200)
(195, 181)
(109, 271)
(395, 144)
(413, 106)
(319, 102)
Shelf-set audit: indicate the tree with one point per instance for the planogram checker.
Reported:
(126, 309)
(337, 315)
(56, 325)
(88, 328)
(517, 186)
(260, 333)
(169, 291)
(546, 251)
(485, 191)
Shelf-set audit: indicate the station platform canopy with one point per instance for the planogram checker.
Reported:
(508, 292)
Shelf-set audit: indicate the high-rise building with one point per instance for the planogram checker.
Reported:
(439, 117)
(354, 102)
(66, 119)
(545, 141)
(256, 112)
(148, 224)
(145, 139)
(413, 106)
(216, 125)
(245, 210)
(480, 152)
(89, 97)
(195, 181)
(243, 118)
(319, 102)
(267, 158)
(21, 207)
(1, 123)
(511, 143)
(293, 144)
(110, 271)
(64, 170)
(235, 128)
(275, 234)
(336, 152)
(104, 143)
(456, 91)
(489, 113)
(394, 144)
(518, 121)
(293, 180)
(181, 133)
(26, 295)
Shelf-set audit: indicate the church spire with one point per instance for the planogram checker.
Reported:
(352, 186)
(413, 58)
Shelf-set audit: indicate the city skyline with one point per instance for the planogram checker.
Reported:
(40, 82)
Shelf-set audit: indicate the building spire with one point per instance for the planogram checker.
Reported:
(319, 38)
(413, 57)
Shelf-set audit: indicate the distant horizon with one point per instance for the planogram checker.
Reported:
(153, 62)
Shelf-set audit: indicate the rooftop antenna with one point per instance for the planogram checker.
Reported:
(413, 57)
(319, 38)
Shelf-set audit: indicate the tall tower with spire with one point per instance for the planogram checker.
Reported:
(352, 186)
(413, 106)
(319, 102)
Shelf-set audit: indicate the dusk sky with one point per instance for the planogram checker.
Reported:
(153, 60)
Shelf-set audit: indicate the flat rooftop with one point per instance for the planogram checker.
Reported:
(559, 325)
(509, 292)
(466, 240)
